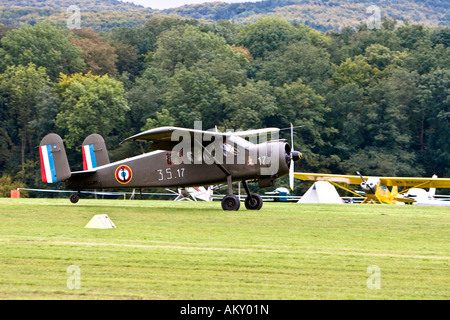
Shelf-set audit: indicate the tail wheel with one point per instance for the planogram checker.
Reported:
(230, 203)
(74, 198)
(253, 203)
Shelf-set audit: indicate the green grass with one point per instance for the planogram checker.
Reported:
(194, 250)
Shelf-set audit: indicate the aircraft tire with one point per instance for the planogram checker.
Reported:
(256, 204)
(230, 203)
(74, 198)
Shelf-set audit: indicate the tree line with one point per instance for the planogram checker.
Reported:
(376, 101)
(321, 14)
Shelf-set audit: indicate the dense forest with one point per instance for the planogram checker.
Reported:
(376, 101)
(101, 15)
(323, 15)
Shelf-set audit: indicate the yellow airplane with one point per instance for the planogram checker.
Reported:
(375, 188)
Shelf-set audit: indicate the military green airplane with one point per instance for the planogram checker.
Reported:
(179, 158)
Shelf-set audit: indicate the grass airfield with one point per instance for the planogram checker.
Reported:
(195, 250)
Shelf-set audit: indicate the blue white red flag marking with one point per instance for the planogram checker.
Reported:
(47, 164)
(89, 160)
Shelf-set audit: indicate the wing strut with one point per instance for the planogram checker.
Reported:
(344, 188)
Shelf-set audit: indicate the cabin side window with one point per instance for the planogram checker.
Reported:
(174, 158)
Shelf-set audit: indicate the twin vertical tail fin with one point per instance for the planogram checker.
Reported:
(94, 152)
(54, 163)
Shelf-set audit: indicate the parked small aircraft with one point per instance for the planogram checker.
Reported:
(375, 188)
(427, 198)
(182, 158)
(193, 193)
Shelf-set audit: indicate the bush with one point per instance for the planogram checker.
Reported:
(7, 184)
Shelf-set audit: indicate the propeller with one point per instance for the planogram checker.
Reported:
(365, 185)
(295, 156)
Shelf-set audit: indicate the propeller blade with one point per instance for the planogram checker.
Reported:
(290, 127)
(292, 138)
(364, 180)
(291, 166)
(291, 175)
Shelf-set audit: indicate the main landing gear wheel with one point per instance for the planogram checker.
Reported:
(254, 202)
(74, 198)
(230, 203)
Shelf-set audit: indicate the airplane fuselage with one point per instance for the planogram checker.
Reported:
(163, 169)
(187, 158)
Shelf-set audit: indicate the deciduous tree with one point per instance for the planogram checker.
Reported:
(43, 45)
(89, 104)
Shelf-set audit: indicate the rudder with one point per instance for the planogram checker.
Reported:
(94, 152)
(54, 164)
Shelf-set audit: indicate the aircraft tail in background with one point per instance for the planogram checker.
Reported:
(432, 191)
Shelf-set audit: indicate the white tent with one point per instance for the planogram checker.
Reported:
(321, 192)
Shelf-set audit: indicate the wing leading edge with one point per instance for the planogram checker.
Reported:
(348, 179)
(165, 138)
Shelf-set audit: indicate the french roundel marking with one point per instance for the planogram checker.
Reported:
(123, 174)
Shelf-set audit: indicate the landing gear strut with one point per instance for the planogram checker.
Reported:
(253, 201)
(231, 202)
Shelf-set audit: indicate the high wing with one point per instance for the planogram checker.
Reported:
(162, 134)
(416, 182)
(161, 138)
(387, 181)
(348, 179)
(165, 138)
